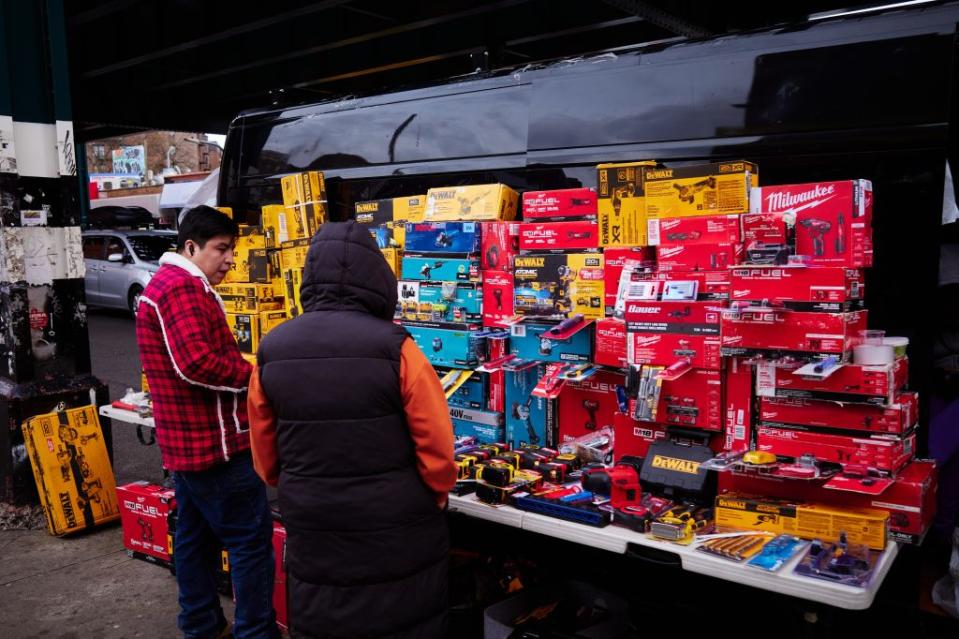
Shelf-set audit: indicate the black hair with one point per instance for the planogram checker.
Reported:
(202, 223)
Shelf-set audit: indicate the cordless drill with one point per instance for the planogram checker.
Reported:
(817, 229)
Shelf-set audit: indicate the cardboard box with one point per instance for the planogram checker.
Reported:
(250, 298)
(560, 205)
(394, 258)
(849, 383)
(738, 418)
(445, 347)
(392, 214)
(530, 341)
(486, 426)
(765, 228)
(446, 304)
(558, 286)
(665, 349)
(500, 245)
(440, 268)
(293, 280)
(305, 195)
(799, 288)
(250, 238)
(497, 298)
(693, 400)
(806, 520)
(708, 229)
(750, 332)
(879, 452)
(588, 405)
(293, 254)
(474, 393)
(144, 512)
(443, 238)
(615, 260)
(712, 285)
(698, 257)
(675, 317)
(246, 330)
(270, 320)
(610, 348)
(226, 210)
(265, 266)
(621, 203)
(663, 333)
(833, 220)
(471, 203)
(558, 236)
(280, 225)
(791, 412)
(719, 188)
(530, 419)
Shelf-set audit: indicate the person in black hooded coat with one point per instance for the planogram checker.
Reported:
(350, 422)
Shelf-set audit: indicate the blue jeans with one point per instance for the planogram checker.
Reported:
(226, 503)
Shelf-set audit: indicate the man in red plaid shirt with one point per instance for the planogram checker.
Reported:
(198, 382)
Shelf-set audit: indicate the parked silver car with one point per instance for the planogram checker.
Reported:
(121, 263)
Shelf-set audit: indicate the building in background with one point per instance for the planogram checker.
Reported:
(140, 158)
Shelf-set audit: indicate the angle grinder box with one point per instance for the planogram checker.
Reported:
(754, 331)
(558, 237)
(719, 188)
(451, 304)
(800, 288)
(621, 203)
(807, 520)
(532, 342)
(486, 426)
(471, 203)
(559, 286)
(144, 512)
(445, 347)
(708, 229)
(441, 268)
(560, 205)
(530, 419)
(878, 452)
(675, 470)
(392, 213)
(425, 238)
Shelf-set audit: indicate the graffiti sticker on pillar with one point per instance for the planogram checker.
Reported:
(8, 154)
(65, 148)
(130, 160)
(51, 254)
(38, 319)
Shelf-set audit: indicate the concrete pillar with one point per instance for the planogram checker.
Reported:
(44, 344)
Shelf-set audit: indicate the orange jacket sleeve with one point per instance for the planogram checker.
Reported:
(262, 431)
(427, 415)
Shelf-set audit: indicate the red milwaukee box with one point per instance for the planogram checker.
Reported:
(558, 236)
(764, 228)
(833, 219)
(800, 288)
(500, 244)
(712, 285)
(739, 405)
(746, 332)
(699, 257)
(633, 438)
(894, 419)
(616, 258)
(910, 500)
(610, 344)
(664, 349)
(144, 512)
(588, 405)
(879, 452)
(563, 204)
(692, 400)
(848, 383)
(279, 578)
(689, 318)
(708, 229)
(497, 298)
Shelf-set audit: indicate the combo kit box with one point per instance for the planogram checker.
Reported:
(799, 288)
(738, 417)
(754, 331)
(558, 286)
(448, 303)
(266, 266)
(531, 341)
(305, 195)
(250, 298)
(293, 253)
(719, 188)
(692, 400)
(560, 205)
(833, 220)
(280, 225)
(250, 238)
(445, 347)
(246, 331)
(530, 419)
(698, 257)
(144, 515)
(708, 229)
(500, 245)
(425, 238)
(880, 452)
(440, 268)
(610, 343)
(633, 438)
(392, 213)
(483, 202)
(588, 405)
(558, 236)
(497, 298)
(486, 426)
(615, 261)
(806, 520)
(877, 385)
(621, 203)
(791, 412)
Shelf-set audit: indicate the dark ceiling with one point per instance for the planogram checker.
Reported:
(193, 65)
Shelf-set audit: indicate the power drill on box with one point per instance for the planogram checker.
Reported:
(621, 483)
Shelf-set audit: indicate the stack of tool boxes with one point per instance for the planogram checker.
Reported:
(387, 222)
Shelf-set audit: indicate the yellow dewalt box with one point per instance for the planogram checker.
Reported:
(394, 257)
(559, 286)
(250, 238)
(293, 279)
(270, 320)
(72, 469)
(293, 254)
(226, 210)
(279, 225)
(807, 520)
(393, 213)
(305, 195)
(265, 266)
(621, 203)
(719, 188)
(246, 330)
(471, 203)
(250, 298)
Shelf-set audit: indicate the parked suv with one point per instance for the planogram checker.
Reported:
(121, 263)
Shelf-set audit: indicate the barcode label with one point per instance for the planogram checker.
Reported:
(739, 433)
(766, 379)
(518, 330)
(652, 232)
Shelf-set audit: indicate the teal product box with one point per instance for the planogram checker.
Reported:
(441, 268)
(530, 341)
(529, 419)
(485, 425)
(455, 348)
(443, 237)
(459, 303)
(474, 393)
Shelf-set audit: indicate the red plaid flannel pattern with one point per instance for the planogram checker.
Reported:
(197, 377)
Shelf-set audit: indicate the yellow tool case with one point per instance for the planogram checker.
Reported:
(72, 469)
